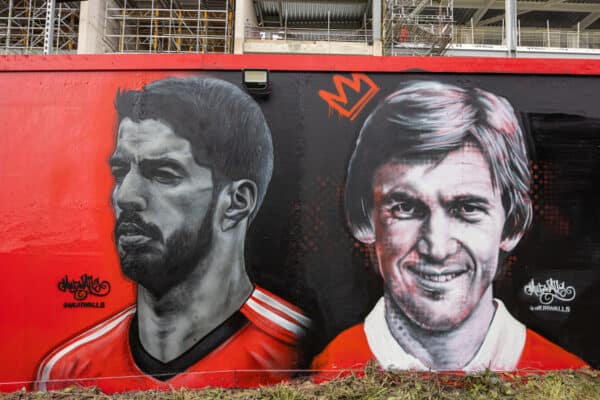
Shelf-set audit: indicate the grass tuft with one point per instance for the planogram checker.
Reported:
(375, 385)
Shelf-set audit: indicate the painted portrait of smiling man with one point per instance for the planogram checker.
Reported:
(438, 185)
(192, 161)
(440, 227)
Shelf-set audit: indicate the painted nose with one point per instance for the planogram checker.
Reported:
(437, 241)
(129, 194)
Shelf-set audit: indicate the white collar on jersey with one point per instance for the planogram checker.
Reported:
(500, 351)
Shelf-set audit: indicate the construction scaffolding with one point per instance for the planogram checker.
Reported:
(417, 27)
(170, 26)
(23, 26)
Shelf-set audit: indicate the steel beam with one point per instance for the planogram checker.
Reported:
(498, 18)
(587, 21)
(481, 12)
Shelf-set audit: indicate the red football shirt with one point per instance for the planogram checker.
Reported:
(262, 351)
(350, 351)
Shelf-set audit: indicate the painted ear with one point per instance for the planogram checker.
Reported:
(241, 196)
(509, 243)
(363, 233)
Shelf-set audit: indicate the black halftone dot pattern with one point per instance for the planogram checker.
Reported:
(547, 192)
(338, 266)
(365, 253)
(320, 236)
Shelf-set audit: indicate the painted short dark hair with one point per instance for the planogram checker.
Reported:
(430, 119)
(225, 126)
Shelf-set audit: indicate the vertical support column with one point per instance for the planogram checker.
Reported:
(179, 22)
(157, 31)
(198, 26)
(227, 26)
(511, 27)
(28, 37)
(170, 35)
(9, 22)
(123, 24)
(58, 16)
(245, 15)
(376, 10)
(91, 26)
(205, 30)
(152, 42)
(328, 30)
(49, 27)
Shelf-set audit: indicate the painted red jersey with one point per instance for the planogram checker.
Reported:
(263, 351)
(350, 353)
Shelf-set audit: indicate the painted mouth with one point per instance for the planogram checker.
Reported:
(438, 278)
(436, 275)
(129, 228)
(131, 240)
(131, 235)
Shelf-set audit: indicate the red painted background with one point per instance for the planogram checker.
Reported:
(57, 134)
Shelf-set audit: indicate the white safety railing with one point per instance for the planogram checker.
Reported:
(529, 37)
(308, 34)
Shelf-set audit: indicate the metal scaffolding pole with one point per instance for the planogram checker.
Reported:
(49, 28)
(9, 22)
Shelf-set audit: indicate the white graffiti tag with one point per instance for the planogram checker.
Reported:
(552, 289)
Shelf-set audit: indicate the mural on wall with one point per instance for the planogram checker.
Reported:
(171, 230)
(191, 165)
(439, 185)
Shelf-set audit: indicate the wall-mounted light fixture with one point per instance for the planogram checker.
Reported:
(256, 81)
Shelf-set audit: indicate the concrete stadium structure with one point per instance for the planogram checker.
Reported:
(486, 28)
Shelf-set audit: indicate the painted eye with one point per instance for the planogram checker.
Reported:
(468, 212)
(403, 209)
(469, 209)
(166, 176)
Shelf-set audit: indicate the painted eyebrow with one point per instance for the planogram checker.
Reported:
(401, 195)
(401, 191)
(163, 162)
(117, 159)
(468, 198)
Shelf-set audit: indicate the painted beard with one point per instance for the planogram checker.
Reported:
(159, 270)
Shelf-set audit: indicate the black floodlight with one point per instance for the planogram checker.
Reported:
(256, 81)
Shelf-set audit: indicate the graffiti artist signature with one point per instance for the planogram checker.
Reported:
(86, 285)
(552, 289)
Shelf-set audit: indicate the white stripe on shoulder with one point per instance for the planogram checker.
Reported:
(264, 297)
(82, 335)
(100, 330)
(271, 316)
